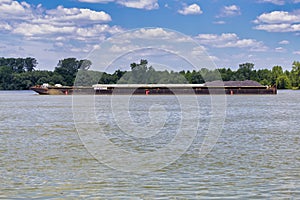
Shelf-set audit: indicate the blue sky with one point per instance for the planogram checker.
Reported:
(264, 32)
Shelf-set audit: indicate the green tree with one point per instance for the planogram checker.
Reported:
(139, 72)
(87, 77)
(276, 72)
(69, 67)
(295, 74)
(245, 71)
(30, 64)
(227, 74)
(264, 76)
(283, 82)
(6, 74)
(106, 78)
(19, 65)
(195, 77)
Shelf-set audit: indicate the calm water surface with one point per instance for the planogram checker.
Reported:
(257, 155)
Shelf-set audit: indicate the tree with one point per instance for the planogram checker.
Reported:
(264, 76)
(19, 65)
(6, 74)
(245, 70)
(196, 77)
(69, 67)
(84, 64)
(283, 82)
(139, 72)
(30, 64)
(226, 74)
(295, 74)
(276, 72)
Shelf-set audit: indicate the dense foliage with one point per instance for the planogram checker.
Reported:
(20, 73)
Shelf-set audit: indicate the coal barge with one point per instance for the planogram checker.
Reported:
(214, 87)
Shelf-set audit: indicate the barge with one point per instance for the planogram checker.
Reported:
(215, 87)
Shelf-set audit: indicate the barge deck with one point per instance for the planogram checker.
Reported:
(215, 87)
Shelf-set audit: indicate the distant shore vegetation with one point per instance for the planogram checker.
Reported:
(21, 74)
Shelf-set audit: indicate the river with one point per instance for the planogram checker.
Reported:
(44, 154)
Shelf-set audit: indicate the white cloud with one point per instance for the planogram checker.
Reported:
(229, 11)
(139, 4)
(67, 23)
(192, 9)
(230, 40)
(96, 1)
(214, 58)
(96, 29)
(149, 33)
(5, 26)
(296, 52)
(279, 27)
(28, 29)
(52, 34)
(121, 48)
(220, 22)
(61, 14)
(278, 21)
(279, 2)
(284, 42)
(198, 50)
(280, 49)
(278, 17)
(13, 9)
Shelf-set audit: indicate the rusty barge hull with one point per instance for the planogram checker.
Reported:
(156, 89)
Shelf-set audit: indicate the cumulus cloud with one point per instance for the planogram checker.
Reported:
(276, 17)
(296, 52)
(284, 42)
(96, 1)
(5, 26)
(139, 4)
(280, 49)
(279, 27)
(229, 11)
(196, 51)
(52, 34)
(77, 15)
(219, 22)
(230, 40)
(35, 22)
(150, 33)
(28, 29)
(13, 9)
(279, 2)
(192, 9)
(278, 21)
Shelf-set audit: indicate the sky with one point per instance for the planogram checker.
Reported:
(263, 32)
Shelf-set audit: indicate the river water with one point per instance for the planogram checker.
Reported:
(255, 156)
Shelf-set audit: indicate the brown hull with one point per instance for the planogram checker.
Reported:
(153, 90)
(52, 90)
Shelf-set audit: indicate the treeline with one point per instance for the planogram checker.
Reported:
(21, 73)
